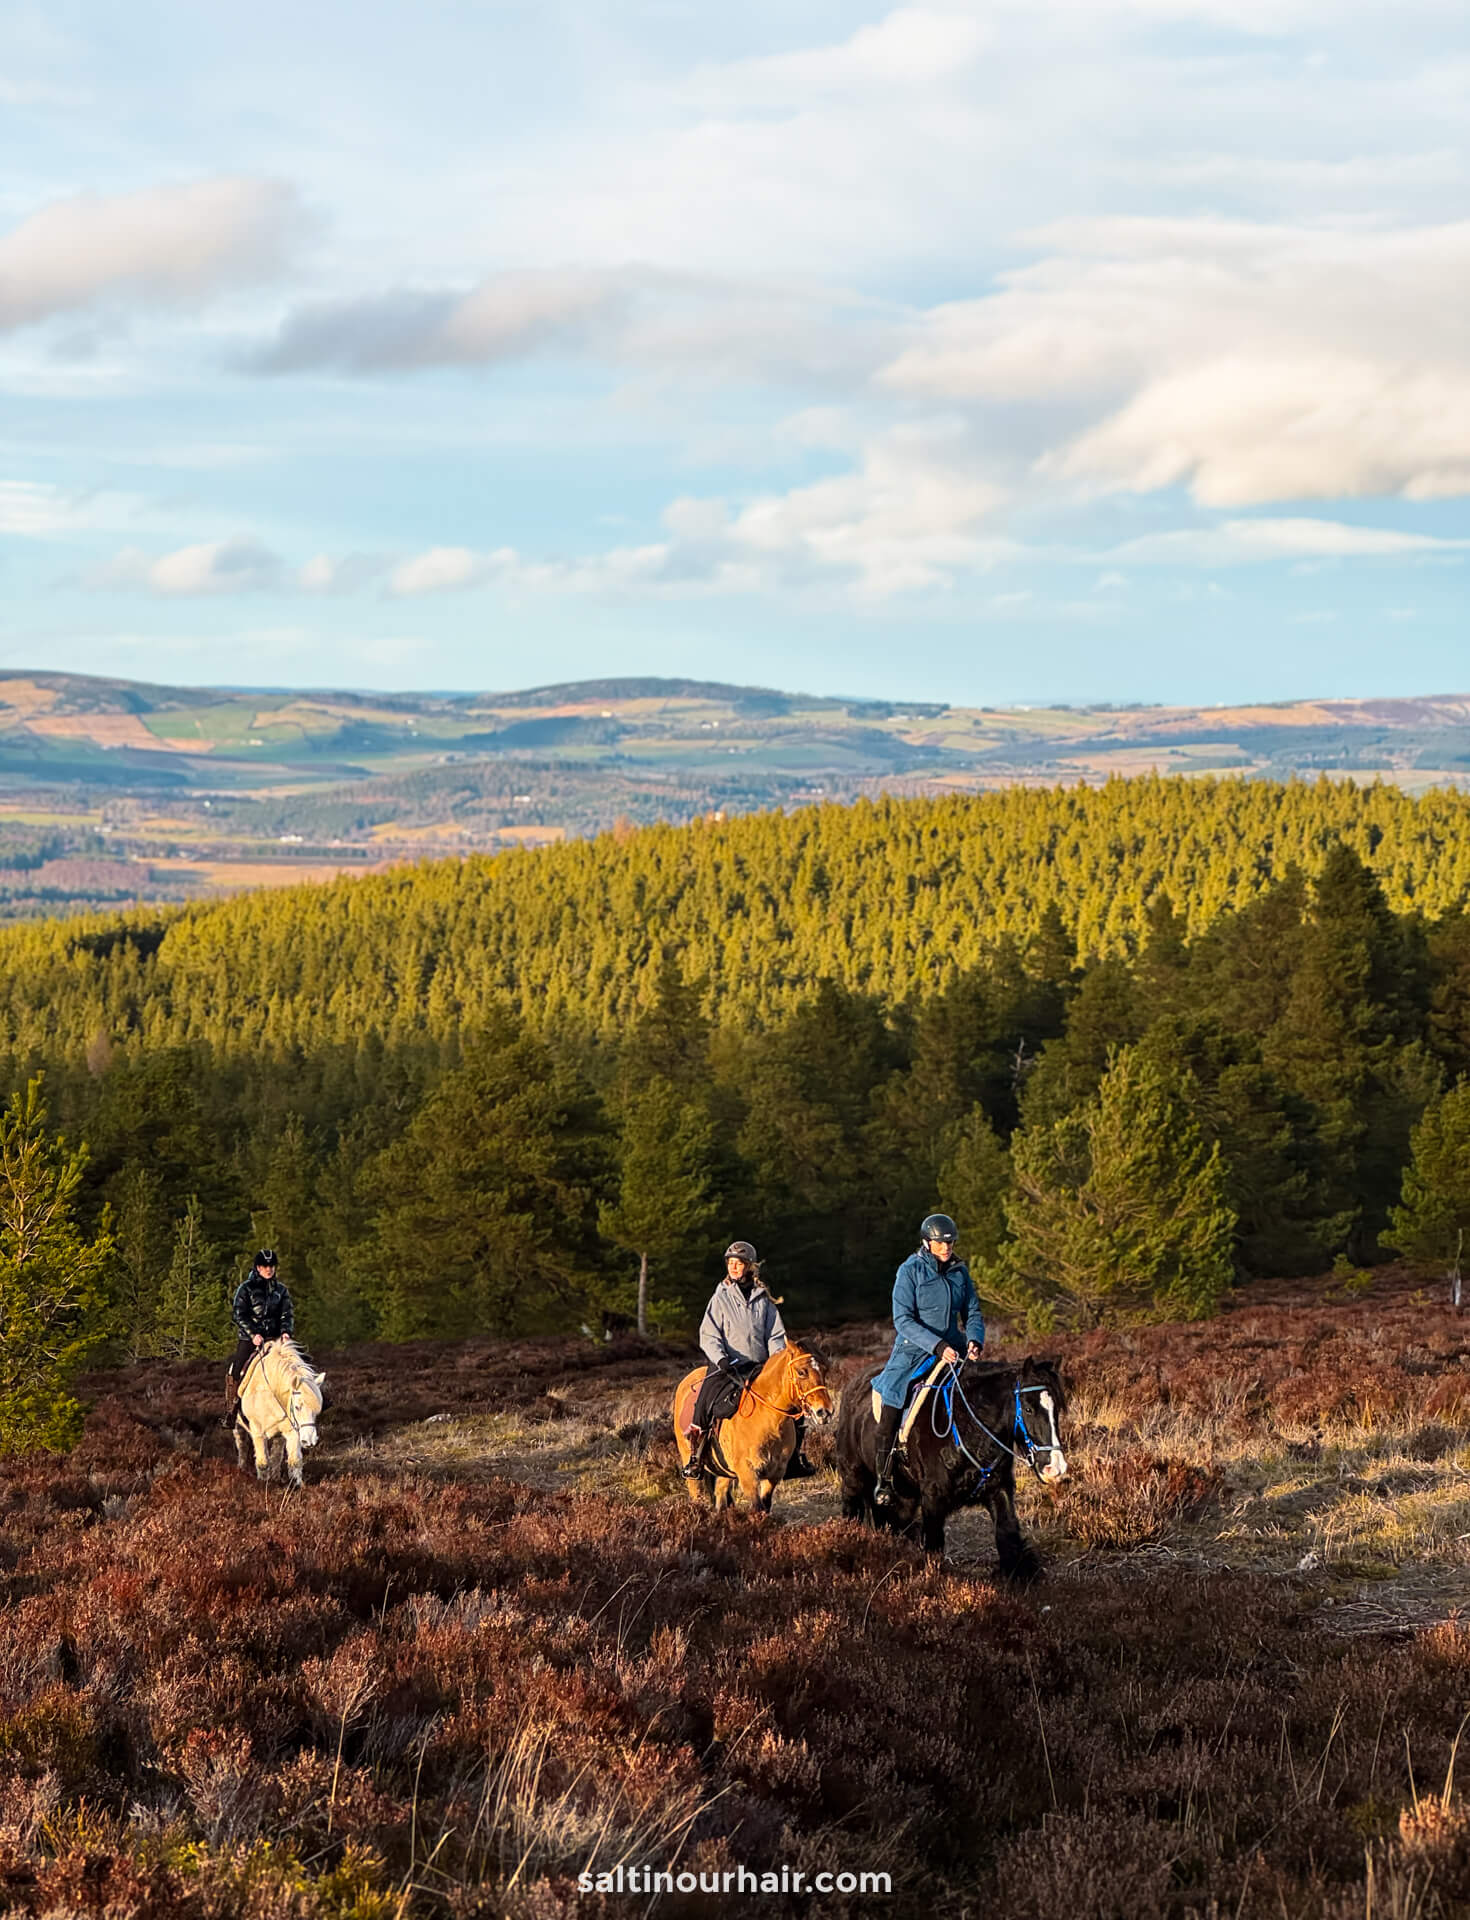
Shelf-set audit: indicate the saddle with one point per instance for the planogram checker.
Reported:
(925, 1377)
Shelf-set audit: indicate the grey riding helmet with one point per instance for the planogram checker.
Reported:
(742, 1250)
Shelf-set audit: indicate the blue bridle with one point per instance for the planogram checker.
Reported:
(944, 1394)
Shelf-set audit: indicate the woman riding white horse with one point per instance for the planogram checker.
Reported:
(280, 1399)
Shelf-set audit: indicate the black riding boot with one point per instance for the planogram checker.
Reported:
(798, 1467)
(888, 1425)
(699, 1438)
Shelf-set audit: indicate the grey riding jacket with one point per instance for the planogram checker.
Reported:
(741, 1328)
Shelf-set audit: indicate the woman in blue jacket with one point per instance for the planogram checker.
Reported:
(933, 1295)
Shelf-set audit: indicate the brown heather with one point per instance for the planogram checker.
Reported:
(487, 1650)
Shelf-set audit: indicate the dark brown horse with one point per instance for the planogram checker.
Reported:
(961, 1451)
(755, 1445)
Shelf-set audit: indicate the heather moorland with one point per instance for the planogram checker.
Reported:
(493, 1646)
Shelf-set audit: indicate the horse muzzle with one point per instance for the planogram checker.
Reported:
(1056, 1467)
(307, 1436)
(818, 1416)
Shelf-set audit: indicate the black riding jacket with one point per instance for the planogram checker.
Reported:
(263, 1306)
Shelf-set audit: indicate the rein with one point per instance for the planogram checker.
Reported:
(1019, 1430)
(287, 1405)
(803, 1394)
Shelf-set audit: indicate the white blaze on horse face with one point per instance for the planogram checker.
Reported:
(1056, 1460)
(305, 1426)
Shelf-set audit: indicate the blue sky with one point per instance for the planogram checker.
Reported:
(1033, 350)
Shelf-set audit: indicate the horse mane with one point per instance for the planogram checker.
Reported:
(296, 1359)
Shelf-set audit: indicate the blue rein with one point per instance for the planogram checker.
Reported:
(944, 1395)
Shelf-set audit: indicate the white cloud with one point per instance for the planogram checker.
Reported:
(1248, 363)
(166, 243)
(912, 517)
(210, 567)
(911, 47)
(637, 317)
(445, 570)
(324, 573)
(242, 564)
(1252, 542)
(32, 508)
(37, 510)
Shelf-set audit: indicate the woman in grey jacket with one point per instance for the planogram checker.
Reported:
(740, 1331)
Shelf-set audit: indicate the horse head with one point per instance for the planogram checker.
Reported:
(806, 1379)
(1041, 1400)
(303, 1393)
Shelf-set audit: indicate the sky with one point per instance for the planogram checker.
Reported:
(1034, 350)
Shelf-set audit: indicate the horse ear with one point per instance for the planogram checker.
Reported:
(321, 1379)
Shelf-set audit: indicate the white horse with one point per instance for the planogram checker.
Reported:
(280, 1398)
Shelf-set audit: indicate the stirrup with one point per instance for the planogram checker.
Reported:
(694, 1465)
(883, 1488)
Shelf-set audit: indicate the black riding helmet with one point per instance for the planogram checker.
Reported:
(939, 1226)
(266, 1258)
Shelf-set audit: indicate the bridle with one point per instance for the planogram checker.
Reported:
(944, 1396)
(803, 1395)
(288, 1405)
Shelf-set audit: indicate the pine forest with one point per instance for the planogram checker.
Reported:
(1145, 1041)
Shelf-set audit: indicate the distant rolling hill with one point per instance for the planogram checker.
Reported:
(112, 789)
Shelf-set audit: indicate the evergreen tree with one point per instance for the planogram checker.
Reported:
(50, 1280)
(488, 1202)
(140, 1233)
(1346, 1040)
(1449, 994)
(190, 1319)
(664, 1207)
(1243, 965)
(1163, 966)
(808, 1090)
(1432, 1221)
(1104, 1014)
(1276, 1174)
(284, 1213)
(974, 1180)
(1119, 1207)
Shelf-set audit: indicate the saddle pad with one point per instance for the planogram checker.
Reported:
(926, 1387)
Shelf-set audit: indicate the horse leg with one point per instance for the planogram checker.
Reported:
(293, 1457)
(757, 1491)
(262, 1455)
(1018, 1560)
(933, 1529)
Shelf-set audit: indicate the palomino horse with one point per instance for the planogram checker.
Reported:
(280, 1398)
(755, 1445)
